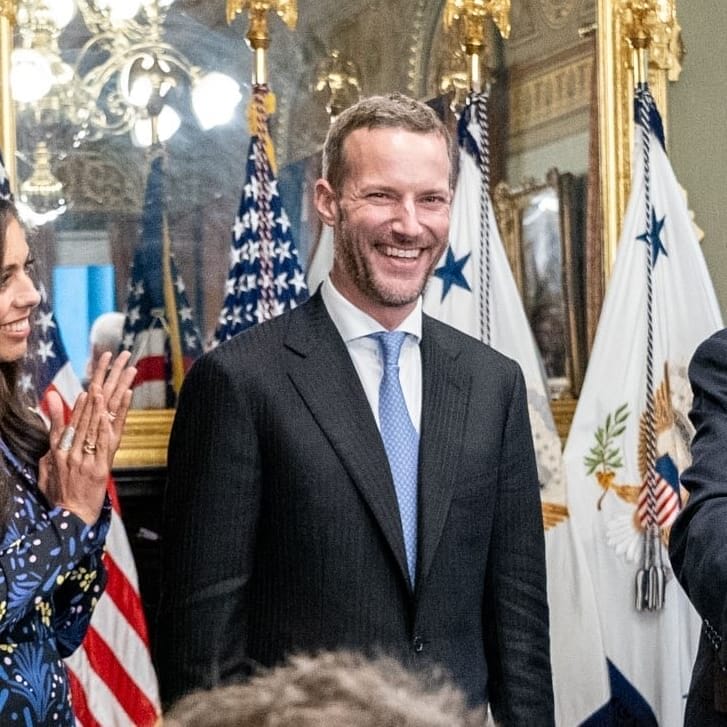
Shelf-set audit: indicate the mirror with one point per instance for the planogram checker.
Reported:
(542, 227)
(541, 118)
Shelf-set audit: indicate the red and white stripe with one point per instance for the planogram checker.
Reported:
(150, 384)
(113, 683)
(667, 503)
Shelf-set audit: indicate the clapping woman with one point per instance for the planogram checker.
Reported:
(54, 510)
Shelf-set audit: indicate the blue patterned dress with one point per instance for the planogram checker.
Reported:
(51, 576)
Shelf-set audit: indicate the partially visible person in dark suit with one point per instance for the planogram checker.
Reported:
(331, 688)
(698, 541)
(354, 474)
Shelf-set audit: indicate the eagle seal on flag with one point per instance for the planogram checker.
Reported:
(606, 457)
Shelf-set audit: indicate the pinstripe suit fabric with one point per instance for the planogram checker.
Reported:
(282, 533)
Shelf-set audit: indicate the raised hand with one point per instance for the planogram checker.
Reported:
(74, 473)
(115, 383)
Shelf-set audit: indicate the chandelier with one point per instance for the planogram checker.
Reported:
(126, 79)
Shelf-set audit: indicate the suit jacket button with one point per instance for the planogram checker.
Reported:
(418, 644)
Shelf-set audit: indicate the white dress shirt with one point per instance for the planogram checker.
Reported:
(355, 327)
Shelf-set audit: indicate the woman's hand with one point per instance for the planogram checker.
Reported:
(115, 384)
(74, 473)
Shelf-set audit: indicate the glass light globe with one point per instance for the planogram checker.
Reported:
(61, 11)
(140, 92)
(31, 76)
(167, 126)
(119, 11)
(214, 98)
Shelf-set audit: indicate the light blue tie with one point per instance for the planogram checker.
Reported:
(401, 442)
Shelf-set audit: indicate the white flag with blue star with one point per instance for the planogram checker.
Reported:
(614, 500)
(456, 295)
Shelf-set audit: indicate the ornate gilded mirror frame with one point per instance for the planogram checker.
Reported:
(548, 270)
(147, 431)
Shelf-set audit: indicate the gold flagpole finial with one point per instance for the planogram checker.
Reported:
(474, 14)
(258, 34)
(645, 24)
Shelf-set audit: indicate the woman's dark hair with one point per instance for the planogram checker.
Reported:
(22, 430)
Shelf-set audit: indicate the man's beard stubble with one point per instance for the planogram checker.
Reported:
(347, 254)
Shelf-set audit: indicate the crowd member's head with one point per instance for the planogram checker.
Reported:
(341, 688)
(105, 335)
(386, 191)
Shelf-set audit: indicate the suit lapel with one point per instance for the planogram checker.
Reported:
(445, 395)
(324, 375)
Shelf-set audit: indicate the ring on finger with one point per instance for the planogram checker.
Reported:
(89, 447)
(66, 441)
(112, 415)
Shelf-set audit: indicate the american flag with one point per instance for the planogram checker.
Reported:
(159, 328)
(666, 494)
(265, 275)
(112, 679)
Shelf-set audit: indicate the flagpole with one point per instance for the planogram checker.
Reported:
(473, 15)
(641, 20)
(258, 34)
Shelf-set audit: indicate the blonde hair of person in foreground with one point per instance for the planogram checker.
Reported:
(338, 689)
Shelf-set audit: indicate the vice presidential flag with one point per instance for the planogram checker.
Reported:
(630, 437)
(111, 675)
(473, 289)
(159, 328)
(265, 277)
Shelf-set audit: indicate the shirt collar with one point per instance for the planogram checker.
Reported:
(352, 323)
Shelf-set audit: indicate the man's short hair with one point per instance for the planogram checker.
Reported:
(332, 688)
(394, 111)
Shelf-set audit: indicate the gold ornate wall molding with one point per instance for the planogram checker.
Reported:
(543, 94)
(98, 181)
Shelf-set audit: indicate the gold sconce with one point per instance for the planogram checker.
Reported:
(338, 78)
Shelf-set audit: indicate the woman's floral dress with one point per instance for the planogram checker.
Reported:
(51, 576)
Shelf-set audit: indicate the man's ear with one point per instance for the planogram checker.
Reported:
(326, 202)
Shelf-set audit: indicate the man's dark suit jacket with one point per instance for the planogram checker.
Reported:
(698, 541)
(282, 533)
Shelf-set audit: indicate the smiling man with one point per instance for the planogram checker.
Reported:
(354, 474)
